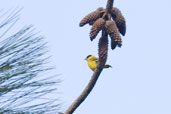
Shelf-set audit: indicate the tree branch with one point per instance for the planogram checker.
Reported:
(102, 60)
(85, 92)
(103, 49)
(109, 5)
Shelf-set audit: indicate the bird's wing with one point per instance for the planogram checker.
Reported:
(95, 59)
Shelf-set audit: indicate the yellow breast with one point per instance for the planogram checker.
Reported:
(92, 64)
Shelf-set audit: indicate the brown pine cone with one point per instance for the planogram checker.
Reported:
(119, 19)
(112, 30)
(103, 48)
(113, 44)
(97, 26)
(102, 10)
(92, 17)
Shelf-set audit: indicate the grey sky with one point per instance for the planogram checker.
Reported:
(138, 83)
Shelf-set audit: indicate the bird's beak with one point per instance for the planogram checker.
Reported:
(85, 59)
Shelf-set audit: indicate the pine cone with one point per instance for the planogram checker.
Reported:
(113, 44)
(112, 30)
(91, 23)
(97, 26)
(101, 9)
(92, 17)
(119, 19)
(103, 48)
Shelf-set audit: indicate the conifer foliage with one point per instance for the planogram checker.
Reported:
(24, 83)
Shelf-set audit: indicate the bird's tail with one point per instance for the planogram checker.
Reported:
(107, 66)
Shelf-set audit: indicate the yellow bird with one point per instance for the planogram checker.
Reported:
(92, 62)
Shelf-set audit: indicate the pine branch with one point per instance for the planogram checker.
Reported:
(22, 70)
(85, 92)
(103, 49)
(109, 5)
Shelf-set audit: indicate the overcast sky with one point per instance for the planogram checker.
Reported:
(140, 80)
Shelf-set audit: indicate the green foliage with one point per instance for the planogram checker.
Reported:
(24, 76)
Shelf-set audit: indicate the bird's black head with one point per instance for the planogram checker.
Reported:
(87, 57)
